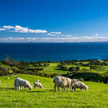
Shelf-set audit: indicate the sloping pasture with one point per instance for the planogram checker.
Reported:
(95, 97)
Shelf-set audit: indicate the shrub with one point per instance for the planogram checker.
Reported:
(77, 68)
(72, 69)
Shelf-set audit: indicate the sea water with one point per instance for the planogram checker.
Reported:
(53, 51)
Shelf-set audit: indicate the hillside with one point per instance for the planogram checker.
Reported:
(89, 70)
(94, 97)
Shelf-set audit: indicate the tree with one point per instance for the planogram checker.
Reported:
(77, 68)
(72, 69)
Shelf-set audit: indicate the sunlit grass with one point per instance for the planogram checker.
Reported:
(95, 97)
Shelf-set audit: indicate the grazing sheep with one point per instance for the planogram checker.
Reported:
(63, 82)
(80, 85)
(16, 76)
(0, 82)
(75, 80)
(81, 79)
(18, 82)
(7, 77)
(10, 75)
(37, 80)
(37, 84)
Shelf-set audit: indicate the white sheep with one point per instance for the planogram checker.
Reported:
(63, 82)
(18, 82)
(0, 82)
(10, 75)
(7, 77)
(81, 79)
(74, 80)
(80, 85)
(37, 84)
(37, 80)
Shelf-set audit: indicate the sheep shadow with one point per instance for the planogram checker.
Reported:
(2, 89)
(36, 91)
(41, 91)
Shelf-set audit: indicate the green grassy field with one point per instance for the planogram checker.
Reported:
(95, 97)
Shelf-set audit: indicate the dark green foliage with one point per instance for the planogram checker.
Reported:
(93, 66)
(36, 65)
(65, 68)
(4, 71)
(71, 69)
(62, 67)
(77, 68)
(87, 76)
(32, 69)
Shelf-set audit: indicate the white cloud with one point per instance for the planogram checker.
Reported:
(68, 35)
(2, 29)
(51, 34)
(58, 34)
(96, 34)
(8, 27)
(54, 33)
(65, 35)
(20, 29)
(56, 40)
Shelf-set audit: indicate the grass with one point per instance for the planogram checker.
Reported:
(95, 97)
(52, 68)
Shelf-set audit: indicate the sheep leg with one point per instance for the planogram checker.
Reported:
(74, 89)
(80, 89)
(55, 87)
(15, 87)
(68, 89)
(58, 88)
(65, 89)
(23, 87)
(18, 87)
(34, 86)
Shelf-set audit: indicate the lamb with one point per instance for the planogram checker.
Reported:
(80, 85)
(10, 75)
(63, 82)
(81, 79)
(37, 84)
(18, 82)
(37, 80)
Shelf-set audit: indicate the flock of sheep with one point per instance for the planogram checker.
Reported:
(59, 81)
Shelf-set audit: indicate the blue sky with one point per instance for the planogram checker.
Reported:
(53, 20)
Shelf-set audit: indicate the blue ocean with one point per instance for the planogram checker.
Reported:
(54, 51)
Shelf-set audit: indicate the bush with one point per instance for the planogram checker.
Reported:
(77, 68)
(61, 67)
(72, 69)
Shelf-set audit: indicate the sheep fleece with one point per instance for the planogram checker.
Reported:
(62, 82)
(22, 83)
